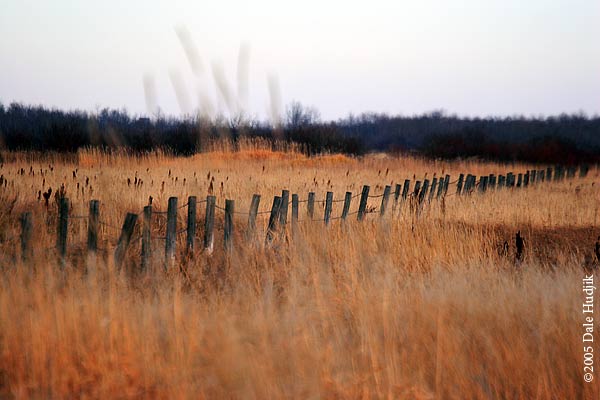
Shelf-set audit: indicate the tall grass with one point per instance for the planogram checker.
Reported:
(399, 307)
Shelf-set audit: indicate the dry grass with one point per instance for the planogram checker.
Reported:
(404, 307)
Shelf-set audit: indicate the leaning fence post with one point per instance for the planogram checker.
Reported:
(405, 189)
(125, 238)
(396, 196)
(459, 184)
(283, 208)
(252, 215)
(433, 187)
(519, 180)
(191, 224)
(146, 237)
(424, 191)
(228, 227)
(362, 207)
(385, 199)
(93, 217)
(328, 205)
(442, 189)
(171, 239)
(310, 207)
(347, 200)
(446, 184)
(26, 229)
(209, 223)
(63, 225)
(273, 218)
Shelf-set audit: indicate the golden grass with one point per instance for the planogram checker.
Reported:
(399, 307)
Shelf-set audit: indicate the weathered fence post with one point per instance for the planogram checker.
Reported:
(283, 208)
(396, 195)
(26, 230)
(146, 237)
(191, 224)
(442, 189)
(385, 199)
(434, 187)
(124, 238)
(417, 189)
(548, 174)
(171, 239)
(492, 181)
(93, 222)
(63, 227)
(295, 202)
(273, 218)
(209, 223)
(310, 207)
(405, 189)
(362, 206)
(328, 206)
(446, 184)
(541, 175)
(459, 184)
(501, 181)
(533, 176)
(228, 228)
(526, 179)
(424, 191)
(252, 215)
(347, 200)
(520, 180)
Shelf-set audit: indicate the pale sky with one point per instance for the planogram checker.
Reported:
(470, 57)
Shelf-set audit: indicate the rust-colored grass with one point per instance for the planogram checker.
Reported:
(397, 307)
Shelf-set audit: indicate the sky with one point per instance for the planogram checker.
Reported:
(469, 57)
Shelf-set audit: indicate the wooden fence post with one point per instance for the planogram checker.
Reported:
(424, 191)
(533, 176)
(385, 199)
(209, 223)
(295, 202)
(26, 230)
(442, 188)
(417, 190)
(283, 208)
(124, 238)
(63, 227)
(501, 181)
(93, 222)
(310, 207)
(328, 206)
(171, 239)
(396, 196)
(548, 174)
(541, 175)
(146, 237)
(405, 189)
(362, 207)
(228, 228)
(347, 200)
(526, 179)
(273, 218)
(459, 184)
(492, 181)
(434, 187)
(446, 184)
(191, 224)
(520, 180)
(252, 215)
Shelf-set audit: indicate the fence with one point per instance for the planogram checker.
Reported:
(422, 192)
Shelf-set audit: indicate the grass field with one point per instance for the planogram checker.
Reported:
(425, 307)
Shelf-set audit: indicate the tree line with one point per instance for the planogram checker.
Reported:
(566, 139)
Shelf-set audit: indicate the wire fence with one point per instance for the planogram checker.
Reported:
(423, 192)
